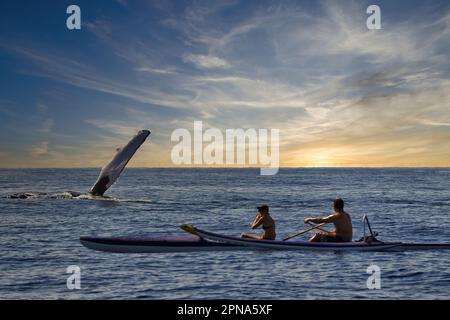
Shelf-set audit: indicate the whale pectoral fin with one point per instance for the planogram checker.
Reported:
(100, 186)
(114, 168)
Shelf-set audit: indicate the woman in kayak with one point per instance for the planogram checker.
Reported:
(342, 222)
(263, 219)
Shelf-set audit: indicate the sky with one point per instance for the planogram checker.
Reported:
(341, 94)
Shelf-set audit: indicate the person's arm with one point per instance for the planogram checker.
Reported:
(329, 219)
(258, 221)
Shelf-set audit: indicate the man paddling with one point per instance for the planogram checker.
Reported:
(263, 219)
(342, 222)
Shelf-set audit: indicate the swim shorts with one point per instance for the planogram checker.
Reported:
(330, 238)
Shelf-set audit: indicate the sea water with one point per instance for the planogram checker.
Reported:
(40, 236)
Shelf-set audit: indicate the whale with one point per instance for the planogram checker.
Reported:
(107, 177)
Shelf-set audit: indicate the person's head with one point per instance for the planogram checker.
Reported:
(263, 208)
(338, 204)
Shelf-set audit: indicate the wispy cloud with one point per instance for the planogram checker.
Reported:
(75, 73)
(155, 70)
(43, 119)
(40, 149)
(208, 62)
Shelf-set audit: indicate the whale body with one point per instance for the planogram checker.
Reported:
(108, 175)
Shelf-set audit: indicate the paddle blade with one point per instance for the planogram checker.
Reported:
(189, 228)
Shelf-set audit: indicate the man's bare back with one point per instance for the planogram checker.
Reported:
(342, 221)
(342, 224)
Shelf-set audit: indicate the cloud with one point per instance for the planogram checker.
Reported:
(208, 62)
(46, 125)
(379, 130)
(42, 109)
(44, 122)
(116, 127)
(40, 149)
(70, 71)
(434, 123)
(155, 70)
(339, 92)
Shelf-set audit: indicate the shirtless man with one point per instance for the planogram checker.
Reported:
(342, 222)
(268, 224)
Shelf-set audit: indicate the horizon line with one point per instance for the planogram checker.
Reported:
(256, 168)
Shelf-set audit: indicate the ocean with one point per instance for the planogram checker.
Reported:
(40, 235)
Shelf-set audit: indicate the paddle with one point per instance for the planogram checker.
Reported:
(189, 228)
(304, 231)
(323, 230)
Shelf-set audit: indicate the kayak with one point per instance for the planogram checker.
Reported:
(155, 244)
(202, 240)
(292, 245)
(195, 243)
(206, 243)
